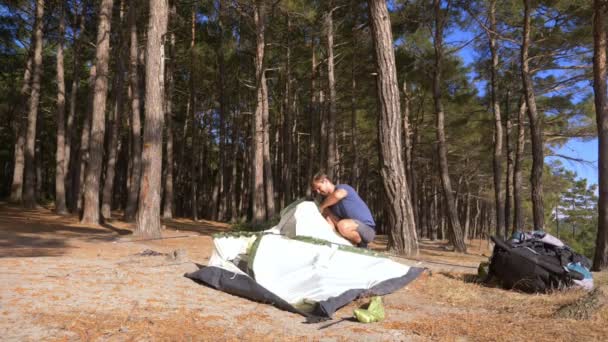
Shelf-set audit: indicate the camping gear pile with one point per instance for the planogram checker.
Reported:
(537, 262)
(300, 265)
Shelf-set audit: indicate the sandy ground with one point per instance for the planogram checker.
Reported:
(60, 280)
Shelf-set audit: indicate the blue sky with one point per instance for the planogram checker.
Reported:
(575, 148)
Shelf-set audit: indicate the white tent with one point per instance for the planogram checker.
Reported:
(311, 273)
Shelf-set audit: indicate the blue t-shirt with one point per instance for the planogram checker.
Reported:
(352, 207)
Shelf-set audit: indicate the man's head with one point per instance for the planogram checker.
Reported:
(322, 185)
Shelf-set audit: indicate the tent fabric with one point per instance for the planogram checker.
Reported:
(306, 274)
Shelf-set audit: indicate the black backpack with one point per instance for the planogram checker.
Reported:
(533, 266)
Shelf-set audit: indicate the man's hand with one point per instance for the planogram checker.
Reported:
(333, 198)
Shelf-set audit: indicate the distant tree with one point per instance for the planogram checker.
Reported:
(60, 166)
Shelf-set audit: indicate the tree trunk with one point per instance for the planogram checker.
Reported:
(501, 229)
(600, 260)
(331, 85)
(148, 215)
(115, 124)
(98, 122)
(168, 203)
(194, 122)
(401, 226)
(354, 181)
(85, 136)
(456, 231)
(287, 124)
(29, 197)
(518, 214)
(535, 126)
(257, 191)
(509, 178)
(135, 175)
(60, 164)
(20, 131)
(70, 160)
(409, 162)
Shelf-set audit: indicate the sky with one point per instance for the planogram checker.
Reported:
(575, 148)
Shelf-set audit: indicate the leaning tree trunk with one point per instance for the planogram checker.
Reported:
(148, 215)
(135, 175)
(536, 178)
(456, 231)
(331, 85)
(501, 230)
(29, 196)
(20, 129)
(257, 190)
(600, 260)
(518, 215)
(401, 225)
(98, 121)
(60, 164)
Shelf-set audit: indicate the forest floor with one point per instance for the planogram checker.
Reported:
(60, 280)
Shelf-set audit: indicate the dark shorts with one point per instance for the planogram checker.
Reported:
(366, 232)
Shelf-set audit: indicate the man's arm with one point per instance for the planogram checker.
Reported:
(333, 198)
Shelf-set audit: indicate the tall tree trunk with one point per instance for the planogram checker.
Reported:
(501, 229)
(287, 123)
(257, 191)
(71, 158)
(535, 126)
(60, 171)
(268, 179)
(168, 203)
(148, 215)
(509, 178)
(600, 260)
(85, 136)
(313, 154)
(409, 162)
(194, 126)
(29, 196)
(518, 214)
(20, 131)
(401, 225)
(454, 224)
(354, 181)
(98, 122)
(135, 175)
(115, 123)
(331, 85)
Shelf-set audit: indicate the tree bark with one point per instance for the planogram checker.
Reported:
(600, 259)
(115, 124)
(456, 231)
(29, 196)
(509, 178)
(60, 171)
(194, 123)
(98, 123)
(168, 203)
(331, 85)
(401, 225)
(287, 142)
(518, 215)
(70, 160)
(135, 176)
(85, 136)
(501, 229)
(148, 215)
(535, 126)
(20, 131)
(257, 191)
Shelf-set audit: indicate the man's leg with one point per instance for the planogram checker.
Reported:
(348, 229)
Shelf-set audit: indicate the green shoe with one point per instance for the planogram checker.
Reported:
(373, 313)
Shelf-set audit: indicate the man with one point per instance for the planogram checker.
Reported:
(345, 211)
